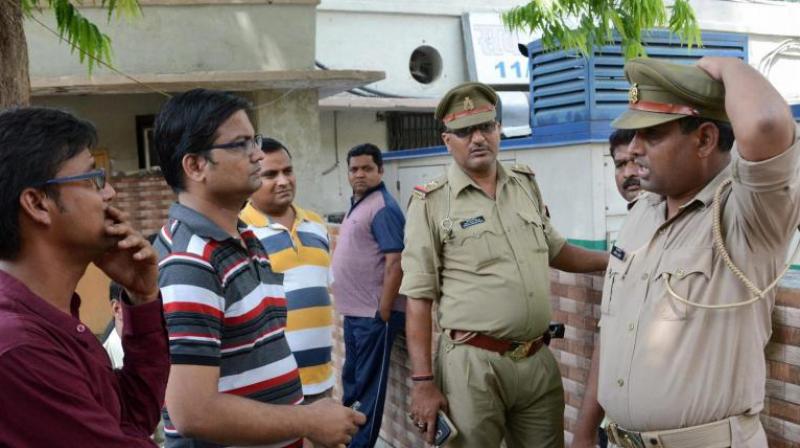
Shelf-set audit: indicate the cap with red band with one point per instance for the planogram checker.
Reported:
(661, 92)
(466, 105)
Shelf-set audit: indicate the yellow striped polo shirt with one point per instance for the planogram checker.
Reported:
(302, 254)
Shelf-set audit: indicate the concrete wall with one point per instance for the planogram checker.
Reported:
(115, 119)
(293, 119)
(181, 38)
(353, 127)
(382, 34)
(773, 35)
(386, 41)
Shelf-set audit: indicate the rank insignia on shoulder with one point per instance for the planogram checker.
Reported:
(467, 223)
(422, 191)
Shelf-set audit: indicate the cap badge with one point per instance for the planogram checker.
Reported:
(633, 94)
(468, 103)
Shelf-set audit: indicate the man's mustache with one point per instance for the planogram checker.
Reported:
(630, 182)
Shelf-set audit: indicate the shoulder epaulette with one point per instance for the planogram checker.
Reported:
(523, 169)
(422, 191)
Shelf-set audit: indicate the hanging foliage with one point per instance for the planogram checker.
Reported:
(83, 36)
(584, 24)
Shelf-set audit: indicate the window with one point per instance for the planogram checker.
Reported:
(407, 130)
(148, 158)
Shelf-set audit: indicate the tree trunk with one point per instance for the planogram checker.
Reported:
(15, 85)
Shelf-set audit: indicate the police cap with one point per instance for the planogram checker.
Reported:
(661, 92)
(466, 105)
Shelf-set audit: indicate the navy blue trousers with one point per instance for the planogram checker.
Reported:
(368, 345)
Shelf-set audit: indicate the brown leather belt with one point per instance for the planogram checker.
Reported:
(515, 350)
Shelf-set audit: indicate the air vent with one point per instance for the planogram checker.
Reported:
(575, 98)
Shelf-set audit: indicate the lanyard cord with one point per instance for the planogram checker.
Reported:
(719, 244)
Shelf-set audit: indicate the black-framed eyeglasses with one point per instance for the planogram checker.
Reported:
(484, 129)
(241, 145)
(98, 178)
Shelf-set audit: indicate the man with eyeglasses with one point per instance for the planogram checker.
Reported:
(59, 388)
(480, 243)
(234, 380)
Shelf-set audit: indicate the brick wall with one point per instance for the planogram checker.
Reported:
(576, 302)
(146, 197)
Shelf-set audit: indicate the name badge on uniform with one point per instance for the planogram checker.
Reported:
(467, 223)
(618, 253)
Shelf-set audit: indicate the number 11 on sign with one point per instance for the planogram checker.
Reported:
(516, 67)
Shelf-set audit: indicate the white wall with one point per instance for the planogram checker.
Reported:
(773, 32)
(376, 41)
(748, 16)
(382, 34)
(187, 38)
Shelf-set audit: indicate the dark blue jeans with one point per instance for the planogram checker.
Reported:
(368, 345)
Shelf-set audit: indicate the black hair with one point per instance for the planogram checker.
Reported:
(619, 137)
(366, 149)
(270, 145)
(187, 124)
(726, 137)
(34, 143)
(114, 291)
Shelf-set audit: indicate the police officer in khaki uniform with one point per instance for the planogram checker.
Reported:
(687, 303)
(479, 242)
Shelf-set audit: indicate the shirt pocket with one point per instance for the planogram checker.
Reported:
(533, 231)
(615, 274)
(474, 248)
(688, 272)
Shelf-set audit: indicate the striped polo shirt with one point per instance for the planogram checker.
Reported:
(302, 254)
(225, 307)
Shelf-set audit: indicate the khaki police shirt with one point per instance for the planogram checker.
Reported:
(665, 365)
(490, 273)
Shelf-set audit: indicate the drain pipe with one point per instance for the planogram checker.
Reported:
(335, 145)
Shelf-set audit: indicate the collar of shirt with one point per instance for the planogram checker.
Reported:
(459, 180)
(354, 204)
(200, 224)
(257, 218)
(17, 296)
(704, 196)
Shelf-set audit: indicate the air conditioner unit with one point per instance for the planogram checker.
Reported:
(514, 111)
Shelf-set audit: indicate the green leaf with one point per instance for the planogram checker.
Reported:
(598, 19)
(81, 34)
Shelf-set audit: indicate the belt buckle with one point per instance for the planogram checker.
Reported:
(624, 438)
(519, 350)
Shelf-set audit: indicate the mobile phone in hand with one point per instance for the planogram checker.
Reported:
(445, 430)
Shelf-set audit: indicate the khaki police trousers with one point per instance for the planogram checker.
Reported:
(492, 397)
